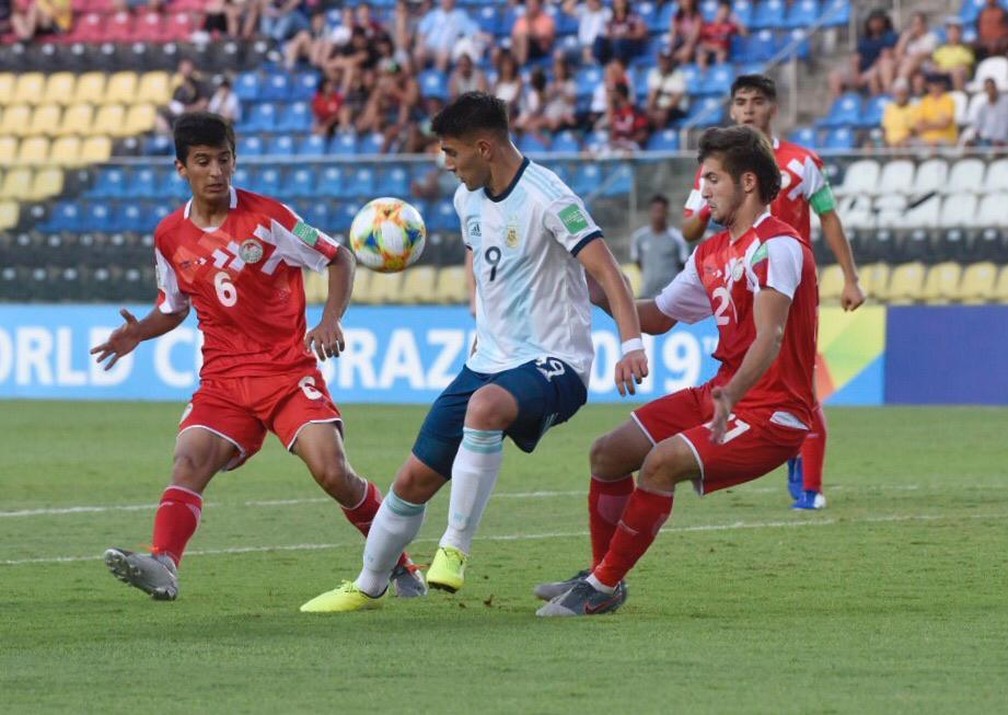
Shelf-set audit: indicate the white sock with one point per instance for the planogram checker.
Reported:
(395, 525)
(599, 586)
(474, 475)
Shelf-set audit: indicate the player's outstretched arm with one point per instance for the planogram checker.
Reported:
(694, 227)
(770, 313)
(600, 264)
(852, 296)
(132, 332)
(326, 338)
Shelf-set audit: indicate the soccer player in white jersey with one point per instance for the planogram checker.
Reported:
(531, 240)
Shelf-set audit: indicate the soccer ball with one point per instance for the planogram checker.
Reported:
(387, 235)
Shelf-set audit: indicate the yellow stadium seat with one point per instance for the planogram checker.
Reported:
(77, 120)
(48, 183)
(155, 87)
(109, 121)
(65, 151)
(830, 283)
(121, 88)
(16, 120)
(8, 215)
(33, 150)
(633, 273)
(8, 150)
(418, 285)
(906, 283)
(451, 286)
(90, 88)
(977, 284)
(875, 281)
(362, 286)
(1000, 293)
(95, 150)
(6, 88)
(942, 282)
(17, 184)
(28, 88)
(139, 119)
(386, 287)
(45, 120)
(60, 88)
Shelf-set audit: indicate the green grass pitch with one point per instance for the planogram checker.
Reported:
(892, 600)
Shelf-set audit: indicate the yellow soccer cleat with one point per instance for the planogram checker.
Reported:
(344, 599)
(447, 570)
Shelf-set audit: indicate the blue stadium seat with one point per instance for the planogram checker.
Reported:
(330, 182)
(241, 177)
(297, 117)
(874, 108)
(300, 183)
(433, 84)
(371, 143)
(267, 181)
(488, 19)
(246, 86)
(279, 145)
(394, 180)
(304, 86)
(530, 144)
(174, 186)
(664, 140)
(318, 215)
(441, 216)
(706, 112)
(261, 117)
(802, 46)
(567, 25)
(708, 8)
(110, 183)
(802, 13)
(311, 145)
(649, 13)
(587, 180)
(276, 87)
(131, 216)
(343, 144)
(665, 17)
(144, 184)
(507, 20)
(743, 9)
(757, 47)
(363, 182)
(65, 216)
(567, 142)
(839, 139)
(846, 111)
(344, 214)
(836, 12)
(805, 136)
(694, 78)
(769, 15)
(159, 212)
(97, 216)
(719, 79)
(618, 180)
(158, 145)
(586, 79)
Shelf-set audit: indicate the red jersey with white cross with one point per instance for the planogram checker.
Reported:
(802, 188)
(244, 280)
(722, 279)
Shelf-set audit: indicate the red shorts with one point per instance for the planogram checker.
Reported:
(242, 409)
(753, 445)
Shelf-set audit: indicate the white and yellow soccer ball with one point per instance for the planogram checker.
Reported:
(387, 235)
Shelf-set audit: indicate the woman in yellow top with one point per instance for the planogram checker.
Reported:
(954, 58)
(936, 123)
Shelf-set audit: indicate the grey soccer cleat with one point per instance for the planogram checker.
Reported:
(584, 600)
(408, 582)
(155, 575)
(549, 591)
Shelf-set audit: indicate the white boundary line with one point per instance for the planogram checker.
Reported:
(734, 526)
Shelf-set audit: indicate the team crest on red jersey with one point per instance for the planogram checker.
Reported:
(251, 251)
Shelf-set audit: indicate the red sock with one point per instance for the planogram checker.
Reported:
(606, 501)
(363, 514)
(175, 522)
(813, 451)
(644, 515)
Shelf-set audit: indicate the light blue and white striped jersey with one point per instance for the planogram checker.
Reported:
(531, 295)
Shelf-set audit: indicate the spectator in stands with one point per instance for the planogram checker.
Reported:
(393, 105)
(5, 17)
(561, 96)
(592, 17)
(466, 77)
(624, 35)
(191, 95)
(225, 102)
(222, 18)
(439, 32)
(280, 20)
(667, 99)
(36, 18)
(404, 27)
(716, 35)
(684, 33)
(508, 86)
(936, 125)
(915, 46)
(533, 34)
(437, 181)
(628, 125)
(364, 18)
(992, 30)
(954, 58)
(532, 107)
(863, 71)
(989, 124)
(659, 250)
(350, 62)
(614, 75)
(899, 119)
(311, 44)
(327, 105)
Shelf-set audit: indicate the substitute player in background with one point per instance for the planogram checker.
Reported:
(531, 240)
(236, 257)
(804, 188)
(758, 279)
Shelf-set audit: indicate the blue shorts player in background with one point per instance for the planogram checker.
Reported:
(531, 240)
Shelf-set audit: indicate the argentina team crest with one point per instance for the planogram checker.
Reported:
(511, 239)
(251, 251)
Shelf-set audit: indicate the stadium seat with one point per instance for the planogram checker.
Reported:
(276, 87)
(897, 177)
(831, 282)
(872, 111)
(48, 183)
(28, 88)
(362, 181)
(65, 151)
(111, 183)
(802, 13)
(977, 284)
(16, 120)
(33, 151)
(371, 143)
(343, 144)
(958, 210)
(17, 184)
(143, 183)
(261, 117)
(59, 89)
(451, 287)
(996, 178)
(875, 280)
(1000, 292)
(95, 150)
(77, 120)
(942, 283)
(743, 10)
(418, 285)
(90, 88)
(995, 68)
(966, 175)
(836, 13)
(9, 214)
(664, 140)
(860, 178)
(267, 181)
(304, 86)
(706, 112)
(300, 183)
(385, 288)
(110, 120)
(993, 210)
(531, 144)
(296, 118)
(804, 136)
(330, 182)
(906, 283)
(139, 119)
(155, 88)
(394, 181)
(931, 176)
(441, 216)
(121, 88)
(769, 14)
(839, 139)
(279, 145)
(246, 86)
(845, 112)
(7, 81)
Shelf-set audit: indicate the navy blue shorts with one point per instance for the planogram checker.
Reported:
(548, 392)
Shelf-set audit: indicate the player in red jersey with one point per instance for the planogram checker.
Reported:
(758, 279)
(237, 257)
(804, 189)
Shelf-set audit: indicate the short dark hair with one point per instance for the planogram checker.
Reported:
(743, 149)
(201, 129)
(471, 112)
(759, 82)
(660, 199)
